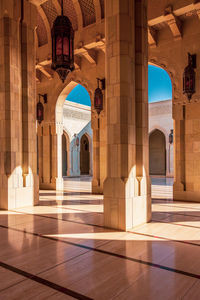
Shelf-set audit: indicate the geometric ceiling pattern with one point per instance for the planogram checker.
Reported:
(50, 11)
(69, 11)
(88, 11)
(41, 31)
(88, 15)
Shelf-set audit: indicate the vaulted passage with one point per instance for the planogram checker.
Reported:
(84, 214)
(157, 153)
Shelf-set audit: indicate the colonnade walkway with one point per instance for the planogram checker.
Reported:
(60, 250)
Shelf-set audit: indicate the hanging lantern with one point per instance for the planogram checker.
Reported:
(40, 112)
(98, 99)
(62, 46)
(171, 137)
(189, 78)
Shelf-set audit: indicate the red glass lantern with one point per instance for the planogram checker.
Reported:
(62, 46)
(98, 99)
(189, 78)
(40, 112)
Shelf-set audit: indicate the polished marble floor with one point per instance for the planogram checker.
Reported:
(162, 188)
(60, 250)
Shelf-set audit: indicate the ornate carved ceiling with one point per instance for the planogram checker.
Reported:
(69, 11)
(80, 12)
(88, 12)
(171, 21)
(50, 11)
(41, 31)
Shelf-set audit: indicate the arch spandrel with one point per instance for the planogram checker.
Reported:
(174, 71)
(62, 93)
(159, 128)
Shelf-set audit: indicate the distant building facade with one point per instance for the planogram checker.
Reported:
(160, 146)
(77, 140)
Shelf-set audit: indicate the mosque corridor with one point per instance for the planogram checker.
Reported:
(60, 250)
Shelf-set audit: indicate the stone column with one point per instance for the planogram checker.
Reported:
(171, 160)
(103, 148)
(179, 150)
(46, 153)
(19, 180)
(127, 200)
(167, 159)
(68, 163)
(68, 158)
(59, 178)
(56, 156)
(50, 156)
(187, 151)
(40, 153)
(96, 188)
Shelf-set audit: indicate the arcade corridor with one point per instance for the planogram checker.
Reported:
(60, 250)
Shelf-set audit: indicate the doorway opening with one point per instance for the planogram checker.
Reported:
(77, 157)
(157, 153)
(161, 155)
(85, 156)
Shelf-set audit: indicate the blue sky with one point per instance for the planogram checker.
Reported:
(159, 84)
(79, 95)
(159, 88)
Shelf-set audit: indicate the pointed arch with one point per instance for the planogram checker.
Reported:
(72, 82)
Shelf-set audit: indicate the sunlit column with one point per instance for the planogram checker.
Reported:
(59, 178)
(96, 188)
(19, 180)
(126, 188)
(179, 150)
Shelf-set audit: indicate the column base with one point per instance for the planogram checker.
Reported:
(123, 208)
(14, 195)
(186, 196)
(57, 184)
(96, 188)
(179, 193)
(169, 175)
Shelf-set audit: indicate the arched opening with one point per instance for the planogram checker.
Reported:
(160, 131)
(84, 156)
(157, 153)
(73, 113)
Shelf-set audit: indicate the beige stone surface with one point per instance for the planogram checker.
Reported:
(126, 188)
(114, 47)
(18, 176)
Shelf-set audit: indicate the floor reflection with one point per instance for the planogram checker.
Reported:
(60, 250)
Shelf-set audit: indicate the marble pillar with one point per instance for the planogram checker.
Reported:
(18, 145)
(127, 201)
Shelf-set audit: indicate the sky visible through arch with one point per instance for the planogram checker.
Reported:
(159, 88)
